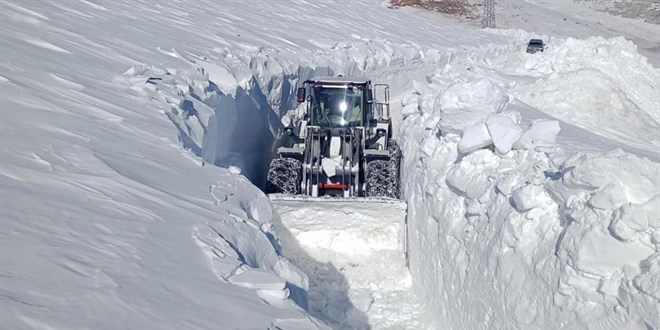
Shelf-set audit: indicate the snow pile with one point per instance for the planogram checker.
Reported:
(599, 84)
(609, 248)
(524, 234)
(479, 111)
(353, 252)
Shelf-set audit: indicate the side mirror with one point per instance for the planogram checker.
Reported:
(300, 96)
(370, 96)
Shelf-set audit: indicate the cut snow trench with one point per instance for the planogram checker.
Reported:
(228, 116)
(101, 210)
(456, 211)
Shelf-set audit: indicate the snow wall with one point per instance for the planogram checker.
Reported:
(507, 228)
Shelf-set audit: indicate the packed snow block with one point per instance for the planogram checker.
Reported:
(596, 171)
(258, 279)
(352, 235)
(475, 137)
(465, 104)
(508, 181)
(609, 197)
(410, 105)
(220, 74)
(471, 177)
(503, 131)
(591, 257)
(224, 259)
(292, 117)
(266, 284)
(649, 279)
(541, 133)
(630, 221)
(530, 197)
(329, 166)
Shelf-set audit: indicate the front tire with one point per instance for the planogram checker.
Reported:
(284, 176)
(382, 176)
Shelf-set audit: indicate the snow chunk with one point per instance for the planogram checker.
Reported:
(649, 280)
(529, 197)
(475, 137)
(630, 220)
(234, 169)
(504, 132)
(260, 279)
(329, 166)
(609, 197)
(592, 256)
(465, 104)
(471, 177)
(541, 133)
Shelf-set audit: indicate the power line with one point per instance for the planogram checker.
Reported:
(488, 21)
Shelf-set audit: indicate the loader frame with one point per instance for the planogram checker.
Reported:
(334, 156)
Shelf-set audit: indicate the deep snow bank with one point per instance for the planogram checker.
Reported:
(598, 84)
(519, 232)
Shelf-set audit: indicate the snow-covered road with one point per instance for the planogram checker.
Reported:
(113, 215)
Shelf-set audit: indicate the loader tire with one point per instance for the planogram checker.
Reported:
(284, 175)
(382, 176)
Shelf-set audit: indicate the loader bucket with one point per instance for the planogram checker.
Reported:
(354, 235)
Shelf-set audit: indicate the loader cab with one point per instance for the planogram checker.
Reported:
(337, 106)
(336, 103)
(341, 146)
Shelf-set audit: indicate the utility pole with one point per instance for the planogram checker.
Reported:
(488, 21)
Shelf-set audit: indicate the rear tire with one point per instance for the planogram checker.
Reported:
(284, 176)
(382, 177)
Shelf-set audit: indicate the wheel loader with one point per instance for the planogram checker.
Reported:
(334, 186)
(342, 147)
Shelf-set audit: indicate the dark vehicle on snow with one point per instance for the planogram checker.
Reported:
(535, 45)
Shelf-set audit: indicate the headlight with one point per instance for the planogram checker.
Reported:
(343, 106)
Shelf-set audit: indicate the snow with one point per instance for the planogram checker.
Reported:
(354, 253)
(134, 136)
(504, 132)
(504, 224)
(465, 103)
(579, 19)
(539, 133)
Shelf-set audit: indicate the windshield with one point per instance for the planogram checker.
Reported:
(337, 106)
